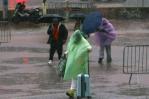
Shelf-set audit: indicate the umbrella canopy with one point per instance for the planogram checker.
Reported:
(78, 16)
(49, 18)
(91, 22)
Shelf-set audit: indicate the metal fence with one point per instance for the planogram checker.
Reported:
(53, 5)
(5, 32)
(135, 60)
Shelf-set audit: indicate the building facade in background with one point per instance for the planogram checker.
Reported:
(77, 3)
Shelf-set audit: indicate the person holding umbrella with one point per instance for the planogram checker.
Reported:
(77, 24)
(78, 18)
(105, 35)
(57, 37)
(104, 32)
(20, 9)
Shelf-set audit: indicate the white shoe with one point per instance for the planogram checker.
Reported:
(50, 62)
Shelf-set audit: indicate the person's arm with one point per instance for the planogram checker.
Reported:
(89, 48)
(66, 52)
(65, 33)
(101, 29)
(49, 31)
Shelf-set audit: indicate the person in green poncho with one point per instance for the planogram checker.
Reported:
(78, 49)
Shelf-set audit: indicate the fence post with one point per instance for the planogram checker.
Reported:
(5, 32)
(135, 60)
(5, 9)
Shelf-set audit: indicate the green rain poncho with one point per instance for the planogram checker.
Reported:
(78, 54)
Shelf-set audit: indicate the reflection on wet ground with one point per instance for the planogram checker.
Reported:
(132, 38)
(19, 49)
(5, 68)
(135, 92)
(37, 78)
(26, 60)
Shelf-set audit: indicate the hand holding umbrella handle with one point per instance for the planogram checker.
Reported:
(100, 29)
(66, 52)
(89, 49)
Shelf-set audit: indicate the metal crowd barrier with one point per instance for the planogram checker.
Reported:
(135, 60)
(5, 32)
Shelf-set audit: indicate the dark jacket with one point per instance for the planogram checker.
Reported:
(62, 37)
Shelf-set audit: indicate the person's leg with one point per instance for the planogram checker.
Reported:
(73, 84)
(101, 54)
(72, 89)
(108, 51)
(59, 51)
(51, 52)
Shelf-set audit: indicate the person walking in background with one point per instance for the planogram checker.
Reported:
(78, 24)
(57, 37)
(20, 10)
(105, 34)
(23, 6)
(78, 49)
(79, 19)
(44, 7)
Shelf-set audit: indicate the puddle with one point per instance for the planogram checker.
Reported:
(131, 39)
(18, 78)
(5, 68)
(9, 91)
(42, 79)
(135, 92)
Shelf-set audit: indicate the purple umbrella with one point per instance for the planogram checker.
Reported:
(92, 22)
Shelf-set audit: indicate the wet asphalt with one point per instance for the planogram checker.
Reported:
(25, 73)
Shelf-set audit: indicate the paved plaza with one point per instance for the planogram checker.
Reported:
(25, 74)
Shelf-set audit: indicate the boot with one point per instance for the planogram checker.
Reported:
(70, 92)
(100, 60)
(109, 60)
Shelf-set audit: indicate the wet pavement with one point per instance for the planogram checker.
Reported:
(25, 74)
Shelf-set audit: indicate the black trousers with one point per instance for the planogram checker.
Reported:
(55, 47)
(108, 52)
